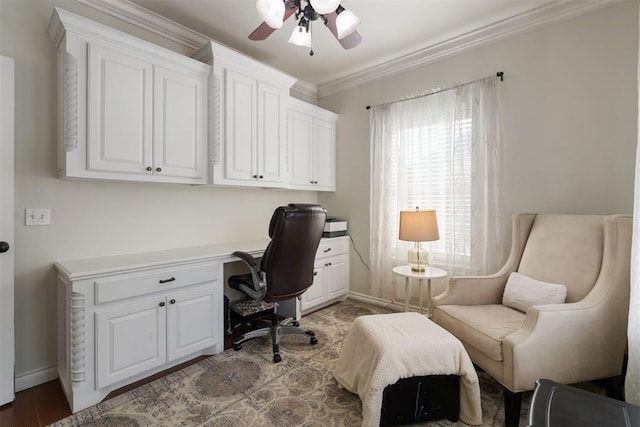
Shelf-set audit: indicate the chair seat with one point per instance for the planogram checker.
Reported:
(481, 326)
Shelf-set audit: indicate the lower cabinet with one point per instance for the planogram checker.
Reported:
(135, 338)
(117, 327)
(331, 274)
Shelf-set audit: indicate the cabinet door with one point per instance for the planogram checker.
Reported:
(119, 112)
(179, 125)
(271, 155)
(130, 339)
(240, 142)
(324, 169)
(316, 294)
(337, 277)
(192, 321)
(300, 137)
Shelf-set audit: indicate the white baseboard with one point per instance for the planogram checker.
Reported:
(36, 377)
(380, 302)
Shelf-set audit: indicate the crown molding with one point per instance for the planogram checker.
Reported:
(527, 21)
(150, 21)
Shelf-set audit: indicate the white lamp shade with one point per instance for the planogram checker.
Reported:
(346, 23)
(418, 226)
(271, 12)
(325, 6)
(300, 37)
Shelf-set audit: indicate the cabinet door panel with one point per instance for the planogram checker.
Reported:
(338, 278)
(240, 126)
(179, 109)
(119, 112)
(271, 159)
(316, 294)
(192, 322)
(300, 139)
(129, 340)
(324, 147)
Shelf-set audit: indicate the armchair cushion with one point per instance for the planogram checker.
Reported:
(481, 326)
(521, 292)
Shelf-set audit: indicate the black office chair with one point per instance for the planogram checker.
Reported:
(286, 269)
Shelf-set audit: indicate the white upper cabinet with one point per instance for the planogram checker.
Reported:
(312, 146)
(127, 109)
(248, 119)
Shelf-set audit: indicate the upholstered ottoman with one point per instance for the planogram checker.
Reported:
(382, 349)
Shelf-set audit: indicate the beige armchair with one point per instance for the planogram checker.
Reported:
(580, 340)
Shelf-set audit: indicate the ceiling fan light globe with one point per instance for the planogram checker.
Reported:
(271, 12)
(346, 23)
(325, 6)
(300, 37)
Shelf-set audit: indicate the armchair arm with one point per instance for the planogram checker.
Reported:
(470, 290)
(259, 284)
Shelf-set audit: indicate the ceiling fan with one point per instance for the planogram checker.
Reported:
(341, 22)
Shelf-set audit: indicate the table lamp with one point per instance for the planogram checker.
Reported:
(418, 226)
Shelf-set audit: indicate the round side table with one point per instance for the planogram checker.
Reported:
(428, 273)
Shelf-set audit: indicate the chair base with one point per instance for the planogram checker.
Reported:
(276, 331)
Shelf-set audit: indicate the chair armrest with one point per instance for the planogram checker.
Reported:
(256, 275)
(473, 290)
(568, 343)
(247, 258)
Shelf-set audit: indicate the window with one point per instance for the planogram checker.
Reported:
(437, 152)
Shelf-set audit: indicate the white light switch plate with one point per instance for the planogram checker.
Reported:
(38, 216)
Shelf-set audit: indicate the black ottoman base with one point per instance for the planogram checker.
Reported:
(419, 399)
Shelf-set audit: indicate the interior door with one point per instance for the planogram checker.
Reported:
(7, 357)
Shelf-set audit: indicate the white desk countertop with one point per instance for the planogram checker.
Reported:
(87, 267)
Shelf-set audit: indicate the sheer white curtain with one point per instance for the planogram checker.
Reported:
(632, 381)
(440, 151)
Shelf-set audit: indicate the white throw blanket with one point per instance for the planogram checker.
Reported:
(383, 348)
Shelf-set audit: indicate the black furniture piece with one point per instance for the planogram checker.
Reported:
(558, 405)
(419, 399)
(286, 269)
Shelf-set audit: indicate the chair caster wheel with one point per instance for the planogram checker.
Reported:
(313, 341)
(295, 323)
(237, 347)
(277, 358)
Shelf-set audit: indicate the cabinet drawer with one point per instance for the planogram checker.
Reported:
(331, 247)
(157, 280)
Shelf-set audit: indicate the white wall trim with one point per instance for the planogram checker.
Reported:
(36, 377)
(527, 21)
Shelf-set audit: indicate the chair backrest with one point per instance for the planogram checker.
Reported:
(565, 249)
(295, 232)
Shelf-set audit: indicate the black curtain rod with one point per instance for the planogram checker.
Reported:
(498, 74)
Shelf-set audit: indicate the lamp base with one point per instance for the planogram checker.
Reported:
(418, 258)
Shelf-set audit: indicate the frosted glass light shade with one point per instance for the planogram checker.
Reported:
(325, 6)
(271, 12)
(346, 23)
(300, 37)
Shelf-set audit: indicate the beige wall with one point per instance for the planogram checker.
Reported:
(568, 109)
(93, 218)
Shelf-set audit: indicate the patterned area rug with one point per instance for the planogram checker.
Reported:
(245, 388)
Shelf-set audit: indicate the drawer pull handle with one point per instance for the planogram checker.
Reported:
(327, 250)
(315, 273)
(172, 301)
(161, 304)
(167, 280)
(327, 264)
(149, 168)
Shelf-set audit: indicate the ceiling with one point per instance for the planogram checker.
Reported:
(390, 29)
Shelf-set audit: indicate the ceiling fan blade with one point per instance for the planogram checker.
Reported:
(263, 31)
(348, 42)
